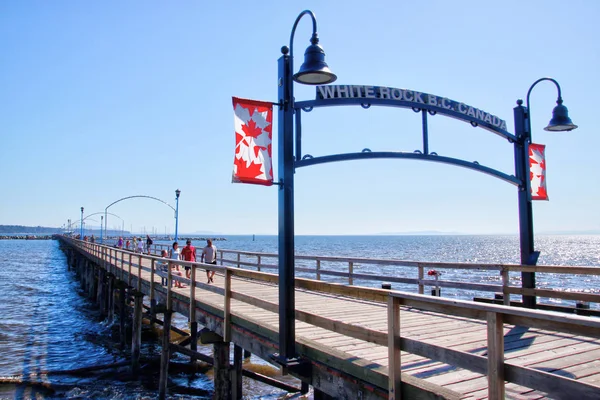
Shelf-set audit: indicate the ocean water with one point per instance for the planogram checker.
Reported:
(46, 323)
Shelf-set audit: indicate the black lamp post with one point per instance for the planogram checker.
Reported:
(314, 71)
(81, 227)
(560, 122)
(177, 193)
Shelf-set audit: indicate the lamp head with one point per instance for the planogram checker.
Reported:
(82, 210)
(177, 193)
(314, 70)
(560, 121)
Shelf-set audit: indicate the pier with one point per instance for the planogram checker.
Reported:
(357, 342)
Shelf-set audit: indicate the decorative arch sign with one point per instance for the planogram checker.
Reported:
(383, 95)
(424, 103)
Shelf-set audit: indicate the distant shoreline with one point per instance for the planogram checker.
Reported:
(26, 237)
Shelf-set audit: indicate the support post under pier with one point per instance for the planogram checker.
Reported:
(122, 314)
(164, 359)
(236, 373)
(136, 335)
(221, 372)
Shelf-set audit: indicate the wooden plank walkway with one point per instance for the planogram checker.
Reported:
(569, 355)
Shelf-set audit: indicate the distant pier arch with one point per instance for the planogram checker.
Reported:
(132, 197)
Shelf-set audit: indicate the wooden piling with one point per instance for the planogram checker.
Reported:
(100, 299)
(80, 266)
(111, 298)
(136, 335)
(164, 359)
(304, 387)
(122, 314)
(91, 281)
(236, 373)
(194, 338)
(222, 376)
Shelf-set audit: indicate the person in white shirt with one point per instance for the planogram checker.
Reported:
(175, 254)
(209, 253)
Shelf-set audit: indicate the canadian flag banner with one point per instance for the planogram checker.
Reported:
(253, 121)
(537, 171)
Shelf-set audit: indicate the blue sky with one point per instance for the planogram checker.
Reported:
(103, 100)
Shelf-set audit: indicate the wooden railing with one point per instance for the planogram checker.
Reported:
(415, 273)
(126, 265)
(494, 366)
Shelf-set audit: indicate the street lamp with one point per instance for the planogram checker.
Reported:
(101, 236)
(177, 193)
(560, 122)
(81, 226)
(314, 71)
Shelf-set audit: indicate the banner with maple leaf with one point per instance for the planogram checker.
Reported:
(537, 171)
(253, 121)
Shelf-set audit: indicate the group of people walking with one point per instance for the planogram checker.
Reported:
(138, 244)
(188, 253)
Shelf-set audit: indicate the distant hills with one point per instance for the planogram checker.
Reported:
(44, 230)
(31, 230)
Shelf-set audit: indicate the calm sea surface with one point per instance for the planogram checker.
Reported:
(47, 325)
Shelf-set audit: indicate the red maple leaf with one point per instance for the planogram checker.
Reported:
(247, 172)
(250, 129)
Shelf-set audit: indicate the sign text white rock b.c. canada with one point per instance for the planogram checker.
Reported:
(414, 98)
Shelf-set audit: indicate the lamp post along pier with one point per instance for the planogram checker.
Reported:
(81, 225)
(314, 71)
(560, 122)
(177, 193)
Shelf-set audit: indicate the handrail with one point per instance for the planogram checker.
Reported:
(419, 279)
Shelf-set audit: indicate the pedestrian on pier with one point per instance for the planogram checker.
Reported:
(175, 254)
(134, 243)
(127, 244)
(189, 254)
(210, 252)
(148, 243)
(120, 242)
(163, 267)
(140, 246)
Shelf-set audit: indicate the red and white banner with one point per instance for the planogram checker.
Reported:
(253, 121)
(537, 171)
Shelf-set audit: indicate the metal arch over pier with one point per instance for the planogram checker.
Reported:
(424, 107)
(133, 197)
(368, 155)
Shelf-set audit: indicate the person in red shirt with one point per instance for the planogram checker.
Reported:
(189, 254)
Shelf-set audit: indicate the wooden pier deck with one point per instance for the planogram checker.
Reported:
(357, 340)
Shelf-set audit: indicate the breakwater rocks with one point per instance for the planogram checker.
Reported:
(26, 237)
(166, 238)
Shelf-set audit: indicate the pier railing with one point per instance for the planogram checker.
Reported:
(349, 270)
